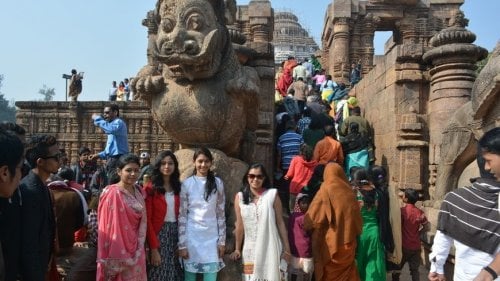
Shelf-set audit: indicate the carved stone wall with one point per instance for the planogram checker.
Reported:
(411, 92)
(256, 22)
(350, 26)
(73, 126)
(422, 98)
(393, 100)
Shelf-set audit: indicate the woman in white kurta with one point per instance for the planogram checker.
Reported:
(202, 221)
(259, 219)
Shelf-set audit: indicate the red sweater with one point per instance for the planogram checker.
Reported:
(156, 208)
(411, 219)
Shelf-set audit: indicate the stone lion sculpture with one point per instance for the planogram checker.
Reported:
(198, 92)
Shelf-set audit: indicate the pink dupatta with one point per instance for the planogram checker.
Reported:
(121, 235)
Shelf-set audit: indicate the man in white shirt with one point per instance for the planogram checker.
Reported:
(469, 219)
(112, 91)
(127, 89)
(309, 68)
(299, 71)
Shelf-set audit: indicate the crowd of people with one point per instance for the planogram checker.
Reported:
(322, 215)
(122, 92)
(299, 79)
(322, 138)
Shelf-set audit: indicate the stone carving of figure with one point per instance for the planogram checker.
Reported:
(75, 85)
(198, 92)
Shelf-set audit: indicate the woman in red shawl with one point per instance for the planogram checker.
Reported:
(286, 79)
(335, 219)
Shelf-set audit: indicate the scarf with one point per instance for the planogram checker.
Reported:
(268, 245)
(470, 215)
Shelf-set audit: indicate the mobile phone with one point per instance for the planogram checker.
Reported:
(283, 265)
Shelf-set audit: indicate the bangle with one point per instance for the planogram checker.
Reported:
(491, 272)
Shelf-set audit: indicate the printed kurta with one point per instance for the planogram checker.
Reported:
(121, 235)
(202, 225)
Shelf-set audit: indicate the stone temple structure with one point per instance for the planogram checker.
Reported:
(426, 105)
(423, 98)
(290, 38)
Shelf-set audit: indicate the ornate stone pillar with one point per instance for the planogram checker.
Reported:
(261, 20)
(453, 73)
(341, 65)
(356, 46)
(367, 48)
(325, 55)
(411, 147)
(260, 33)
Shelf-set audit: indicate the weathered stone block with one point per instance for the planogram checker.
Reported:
(398, 2)
(342, 9)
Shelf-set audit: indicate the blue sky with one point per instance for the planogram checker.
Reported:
(41, 40)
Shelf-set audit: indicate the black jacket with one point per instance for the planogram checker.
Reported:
(10, 234)
(2, 269)
(38, 228)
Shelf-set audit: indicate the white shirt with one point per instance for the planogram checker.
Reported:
(299, 71)
(468, 261)
(170, 215)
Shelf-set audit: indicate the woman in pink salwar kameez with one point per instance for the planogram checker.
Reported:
(122, 226)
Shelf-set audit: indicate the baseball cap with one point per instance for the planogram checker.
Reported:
(144, 155)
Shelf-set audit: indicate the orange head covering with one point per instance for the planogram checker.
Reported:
(334, 210)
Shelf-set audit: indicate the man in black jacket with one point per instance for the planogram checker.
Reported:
(38, 231)
(11, 161)
(11, 150)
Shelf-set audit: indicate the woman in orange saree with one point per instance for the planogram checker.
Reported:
(335, 220)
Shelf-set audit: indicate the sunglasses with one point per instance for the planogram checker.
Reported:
(55, 157)
(252, 176)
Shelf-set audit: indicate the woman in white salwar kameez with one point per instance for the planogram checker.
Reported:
(259, 220)
(202, 221)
